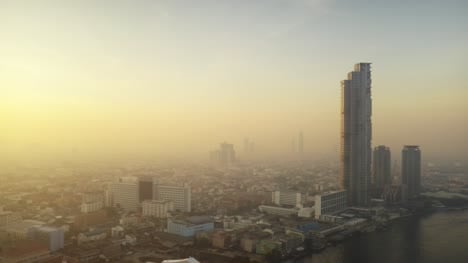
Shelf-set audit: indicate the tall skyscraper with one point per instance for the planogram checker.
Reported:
(411, 170)
(300, 143)
(381, 164)
(356, 134)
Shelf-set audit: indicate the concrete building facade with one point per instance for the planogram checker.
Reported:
(125, 195)
(381, 167)
(287, 198)
(411, 170)
(331, 202)
(356, 134)
(181, 196)
(157, 208)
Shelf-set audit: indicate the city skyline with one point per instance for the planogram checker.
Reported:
(233, 131)
(135, 79)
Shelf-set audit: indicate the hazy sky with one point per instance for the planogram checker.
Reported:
(181, 76)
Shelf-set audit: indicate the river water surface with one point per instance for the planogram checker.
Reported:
(434, 238)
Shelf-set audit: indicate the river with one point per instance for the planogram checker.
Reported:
(434, 238)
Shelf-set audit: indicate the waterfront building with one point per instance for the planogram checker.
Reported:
(394, 194)
(381, 163)
(330, 202)
(411, 170)
(356, 135)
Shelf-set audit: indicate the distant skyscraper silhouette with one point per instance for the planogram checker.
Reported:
(381, 165)
(300, 143)
(356, 134)
(249, 146)
(225, 156)
(246, 145)
(411, 170)
(252, 147)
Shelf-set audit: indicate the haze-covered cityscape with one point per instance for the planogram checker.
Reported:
(233, 131)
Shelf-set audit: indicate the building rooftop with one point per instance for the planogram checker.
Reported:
(186, 260)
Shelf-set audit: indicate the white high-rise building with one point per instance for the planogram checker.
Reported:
(181, 196)
(125, 195)
(356, 134)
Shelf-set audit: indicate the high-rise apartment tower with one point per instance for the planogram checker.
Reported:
(411, 170)
(356, 134)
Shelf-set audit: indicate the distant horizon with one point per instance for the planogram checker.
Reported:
(173, 79)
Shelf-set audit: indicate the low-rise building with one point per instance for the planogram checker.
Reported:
(22, 229)
(157, 208)
(95, 235)
(276, 210)
(52, 236)
(287, 198)
(188, 227)
(223, 239)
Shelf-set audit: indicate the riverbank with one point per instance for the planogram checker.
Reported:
(433, 237)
